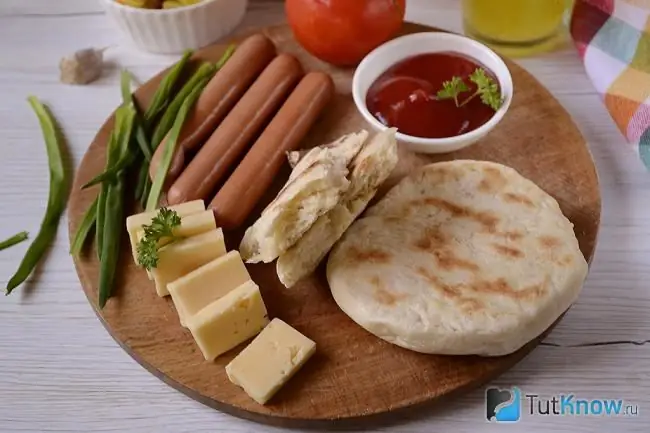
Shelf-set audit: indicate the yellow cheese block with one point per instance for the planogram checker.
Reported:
(270, 360)
(191, 225)
(229, 321)
(182, 257)
(134, 223)
(206, 284)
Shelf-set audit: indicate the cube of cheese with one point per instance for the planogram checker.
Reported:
(134, 223)
(270, 360)
(191, 225)
(182, 257)
(206, 284)
(229, 321)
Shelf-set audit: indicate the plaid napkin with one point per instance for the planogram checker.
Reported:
(613, 37)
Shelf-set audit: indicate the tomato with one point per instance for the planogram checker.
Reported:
(342, 32)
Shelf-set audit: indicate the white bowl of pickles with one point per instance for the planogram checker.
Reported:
(173, 26)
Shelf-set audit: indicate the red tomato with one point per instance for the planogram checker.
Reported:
(342, 32)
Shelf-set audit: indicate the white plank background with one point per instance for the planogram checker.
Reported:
(61, 371)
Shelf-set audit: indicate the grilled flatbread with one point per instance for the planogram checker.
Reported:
(369, 169)
(315, 186)
(460, 258)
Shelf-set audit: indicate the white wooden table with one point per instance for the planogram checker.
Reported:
(61, 371)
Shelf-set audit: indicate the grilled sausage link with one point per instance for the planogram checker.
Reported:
(236, 133)
(246, 186)
(220, 95)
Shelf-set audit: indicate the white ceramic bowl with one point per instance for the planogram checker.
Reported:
(172, 31)
(386, 55)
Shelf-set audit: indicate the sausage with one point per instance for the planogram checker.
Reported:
(245, 187)
(219, 96)
(233, 137)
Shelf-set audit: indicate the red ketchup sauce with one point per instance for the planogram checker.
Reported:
(404, 97)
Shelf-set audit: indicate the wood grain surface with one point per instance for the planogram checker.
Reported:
(60, 371)
(354, 375)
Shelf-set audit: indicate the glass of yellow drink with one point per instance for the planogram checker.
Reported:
(516, 27)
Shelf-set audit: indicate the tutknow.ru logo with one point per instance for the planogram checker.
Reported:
(507, 405)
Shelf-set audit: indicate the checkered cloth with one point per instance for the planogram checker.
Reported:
(613, 37)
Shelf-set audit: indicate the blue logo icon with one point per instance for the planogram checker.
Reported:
(503, 405)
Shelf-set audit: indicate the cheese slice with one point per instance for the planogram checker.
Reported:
(134, 223)
(206, 284)
(182, 257)
(191, 225)
(229, 321)
(270, 360)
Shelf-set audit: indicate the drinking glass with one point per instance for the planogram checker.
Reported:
(517, 27)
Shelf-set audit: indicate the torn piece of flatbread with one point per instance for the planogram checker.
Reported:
(315, 186)
(370, 168)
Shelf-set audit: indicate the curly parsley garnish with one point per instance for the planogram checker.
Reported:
(162, 227)
(486, 89)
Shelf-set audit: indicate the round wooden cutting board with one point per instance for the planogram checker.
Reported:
(354, 376)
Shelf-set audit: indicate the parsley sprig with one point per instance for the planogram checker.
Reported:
(161, 229)
(486, 89)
